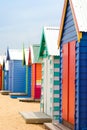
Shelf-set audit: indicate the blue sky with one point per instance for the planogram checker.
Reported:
(22, 21)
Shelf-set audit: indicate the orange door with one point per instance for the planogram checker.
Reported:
(65, 86)
(71, 81)
(68, 82)
(38, 71)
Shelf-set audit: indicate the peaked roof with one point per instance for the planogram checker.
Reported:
(50, 35)
(15, 54)
(78, 8)
(34, 53)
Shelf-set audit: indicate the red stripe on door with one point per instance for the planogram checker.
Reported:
(68, 82)
(71, 81)
(65, 83)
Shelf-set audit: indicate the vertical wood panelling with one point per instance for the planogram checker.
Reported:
(72, 82)
(65, 80)
(49, 86)
(42, 88)
(45, 84)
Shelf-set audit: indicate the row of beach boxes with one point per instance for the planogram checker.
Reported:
(60, 76)
(34, 73)
(55, 76)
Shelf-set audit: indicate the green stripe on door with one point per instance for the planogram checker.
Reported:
(55, 100)
(56, 57)
(56, 92)
(56, 65)
(56, 73)
(56, 108)
(56, 82)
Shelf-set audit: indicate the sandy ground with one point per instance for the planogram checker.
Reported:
(10, 119)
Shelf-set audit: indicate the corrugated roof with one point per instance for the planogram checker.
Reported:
(35, 53)
(51, 36)
(15, 54)
(80, 10)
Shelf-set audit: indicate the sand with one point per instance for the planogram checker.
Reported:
(10, 119)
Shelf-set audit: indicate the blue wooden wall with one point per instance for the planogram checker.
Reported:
(81, 84)
(17, 78)
(68, 35)
(69, 31)
(10, 76)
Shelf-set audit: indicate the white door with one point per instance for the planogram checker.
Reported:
(45, 84)
(48, 87)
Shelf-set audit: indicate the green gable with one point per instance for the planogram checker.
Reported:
(43, 47)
